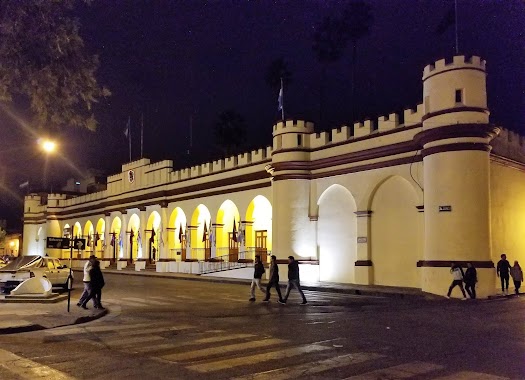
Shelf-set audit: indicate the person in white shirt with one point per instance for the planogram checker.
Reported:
(457, 274)
(87, 282)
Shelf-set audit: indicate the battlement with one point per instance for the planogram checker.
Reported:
(287, 126)
(458, 61)
(135, 164)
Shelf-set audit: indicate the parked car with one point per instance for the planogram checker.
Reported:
(24, 267)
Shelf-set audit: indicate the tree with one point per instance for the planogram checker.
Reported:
(332, 35)
(230, 131)
(44, 66)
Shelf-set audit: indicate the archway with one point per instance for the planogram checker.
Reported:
(396, 242)
(135, 240)
(177, 234)
(77, 230)
(152, 238)
(258, 229)
(99, 238)
(227, 236)
(337, 235)
(116, 238)
(201, 217)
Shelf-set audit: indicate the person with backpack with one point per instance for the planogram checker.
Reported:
(257, 275)
(457, 275)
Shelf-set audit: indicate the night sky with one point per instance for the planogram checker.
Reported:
(169, 60)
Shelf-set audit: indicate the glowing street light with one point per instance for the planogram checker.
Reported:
(49, 146)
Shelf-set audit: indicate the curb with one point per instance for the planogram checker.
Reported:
(37, 327)
(222, 280)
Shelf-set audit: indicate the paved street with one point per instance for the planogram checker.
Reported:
(174, 329)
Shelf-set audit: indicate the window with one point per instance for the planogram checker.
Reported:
(459, 96)
(299, 140)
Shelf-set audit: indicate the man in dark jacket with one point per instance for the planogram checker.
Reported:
(293, 279)
(471, 277)
(273, 281)
(503, 270)
(257, 275)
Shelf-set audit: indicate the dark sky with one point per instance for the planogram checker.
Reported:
(171, 59)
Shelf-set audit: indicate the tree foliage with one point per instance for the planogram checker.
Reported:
(276, 70)
(230, 131)
(44, 65)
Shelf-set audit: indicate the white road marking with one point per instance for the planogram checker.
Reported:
(28, 369)
(189, 355)
(257, 358)
(146, 301)
(298, 371)
(119, 341)
(471, 376)
(403, 371)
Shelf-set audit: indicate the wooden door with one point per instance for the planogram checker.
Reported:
(207, 249)
(183, 248)
(233, 248)
(260, 245)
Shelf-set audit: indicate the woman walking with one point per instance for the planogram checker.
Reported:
(517, 276)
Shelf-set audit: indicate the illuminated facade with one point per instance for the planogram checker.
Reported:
(387, 202)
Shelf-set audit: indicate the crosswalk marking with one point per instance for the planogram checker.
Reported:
(216, 339)
(222, 349)
(146, 301)
(403, 371)
(119, 341)
(28, 369)
(257, 358)
(472, 376)
(111, 328)
(295, 372)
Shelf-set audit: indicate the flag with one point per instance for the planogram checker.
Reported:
(89, 240)
(103, 238)
(212, 236)
(280, 98)
(23, 185)
(447, 21)
(161, 233)
(120, 242)
(188, 236)
(180, 233)
(97, 238)
(127, 131)
(152, 238)
(234, 233)
(139, 240)
(112, 242)
(205, 232)
(241, 233)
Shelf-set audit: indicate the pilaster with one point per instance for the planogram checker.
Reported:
(364, 272)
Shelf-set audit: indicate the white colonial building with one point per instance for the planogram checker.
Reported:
(386, 202)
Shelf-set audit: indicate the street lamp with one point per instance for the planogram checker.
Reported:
(49, 147)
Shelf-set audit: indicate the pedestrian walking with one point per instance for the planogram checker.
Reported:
(87, 282)
(293, 279)
(97, 283)
(517, 276)
(471, 277)
(273, 281)
(502, 270)
(257, 275)
(457, 275)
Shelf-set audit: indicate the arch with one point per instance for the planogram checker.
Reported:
(116, 235)
(135, 240)
(337, 235)
(151, 238)
(176, 229)
(100, 236)
(396, 233)
(418, 193)
(77, 230)
(227, 215)
(259, 219)
(200, 216)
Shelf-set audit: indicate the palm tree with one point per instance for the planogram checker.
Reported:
(358, 20)
(229, 131)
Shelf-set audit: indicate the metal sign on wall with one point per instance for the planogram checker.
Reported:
(57, 243)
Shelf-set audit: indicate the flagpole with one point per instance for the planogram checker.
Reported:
(282, 99)
(456, 25)
(129, 136)
(142, 136)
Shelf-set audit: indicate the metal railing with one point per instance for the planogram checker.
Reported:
(223, 263)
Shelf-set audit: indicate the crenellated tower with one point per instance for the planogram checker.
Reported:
(291, 187)
(455, 141)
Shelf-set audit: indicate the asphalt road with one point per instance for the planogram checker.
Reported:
(176, 329)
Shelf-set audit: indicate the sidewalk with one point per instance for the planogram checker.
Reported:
(365, 290)
(24, 317)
